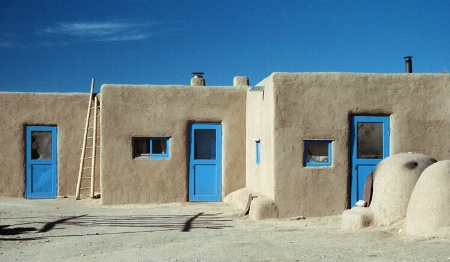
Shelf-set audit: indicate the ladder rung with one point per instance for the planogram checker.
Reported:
(87, 167)
(86, 177)
(84, 188)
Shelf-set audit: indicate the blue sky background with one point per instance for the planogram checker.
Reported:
(60, 45)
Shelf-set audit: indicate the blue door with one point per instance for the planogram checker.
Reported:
(369, 145)
(205, 172)
(41, 162)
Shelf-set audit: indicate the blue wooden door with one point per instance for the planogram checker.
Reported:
(41, 162)
(369, 145)
(205, 172)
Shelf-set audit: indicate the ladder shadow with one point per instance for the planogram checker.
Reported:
(50, 225)
(5, 230)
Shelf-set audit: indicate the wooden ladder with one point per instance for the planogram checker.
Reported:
(89, 150)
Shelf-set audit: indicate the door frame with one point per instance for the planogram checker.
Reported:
(193, 162)
(29, 162)
(355, 182)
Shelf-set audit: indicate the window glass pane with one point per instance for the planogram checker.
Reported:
(370, 140)
(141, 146)
(318, 152)
(205, 144)
(159, 146)
(258, 153)
(41, 145)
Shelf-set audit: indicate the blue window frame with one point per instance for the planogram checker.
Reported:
(317, 153)
(151, 147)
(258, 152)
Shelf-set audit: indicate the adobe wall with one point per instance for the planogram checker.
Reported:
(66, 111)
(145, 110)
(260, 126)
(319, 106)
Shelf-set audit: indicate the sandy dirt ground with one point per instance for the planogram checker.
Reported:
(68, 230)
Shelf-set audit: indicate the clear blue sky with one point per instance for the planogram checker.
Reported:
(59, 45)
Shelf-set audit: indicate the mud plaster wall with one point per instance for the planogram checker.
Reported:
(319, 106)
(148, 111)
(66, 111)
(260, 126)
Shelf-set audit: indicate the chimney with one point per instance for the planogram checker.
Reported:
(240, 81)
(408, 64)
(197, 79)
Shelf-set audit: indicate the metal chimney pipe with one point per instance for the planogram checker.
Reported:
(408, 64)
(197, 79)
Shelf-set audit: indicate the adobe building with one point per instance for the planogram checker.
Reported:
(303, 141)
(320, 134)
(24, 114)
(171, 143)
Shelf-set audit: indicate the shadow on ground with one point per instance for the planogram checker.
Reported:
(129, 224)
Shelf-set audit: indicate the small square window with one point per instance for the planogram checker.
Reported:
(151, 147)
(258, 152)
(318, 152)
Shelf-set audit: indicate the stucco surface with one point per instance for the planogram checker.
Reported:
(262, 207)
(394, 179)
(320, 106)
(260, 178)
(428, 212)
(356, 218)
(147, 111)
(18, 110)
(238, 198)
(241, 81)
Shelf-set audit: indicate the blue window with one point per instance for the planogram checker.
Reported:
(258, 152)
(317, 153)
(151, 147)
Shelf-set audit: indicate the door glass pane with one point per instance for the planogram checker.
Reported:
(205, 144)
(41, 145)
(370, 140)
